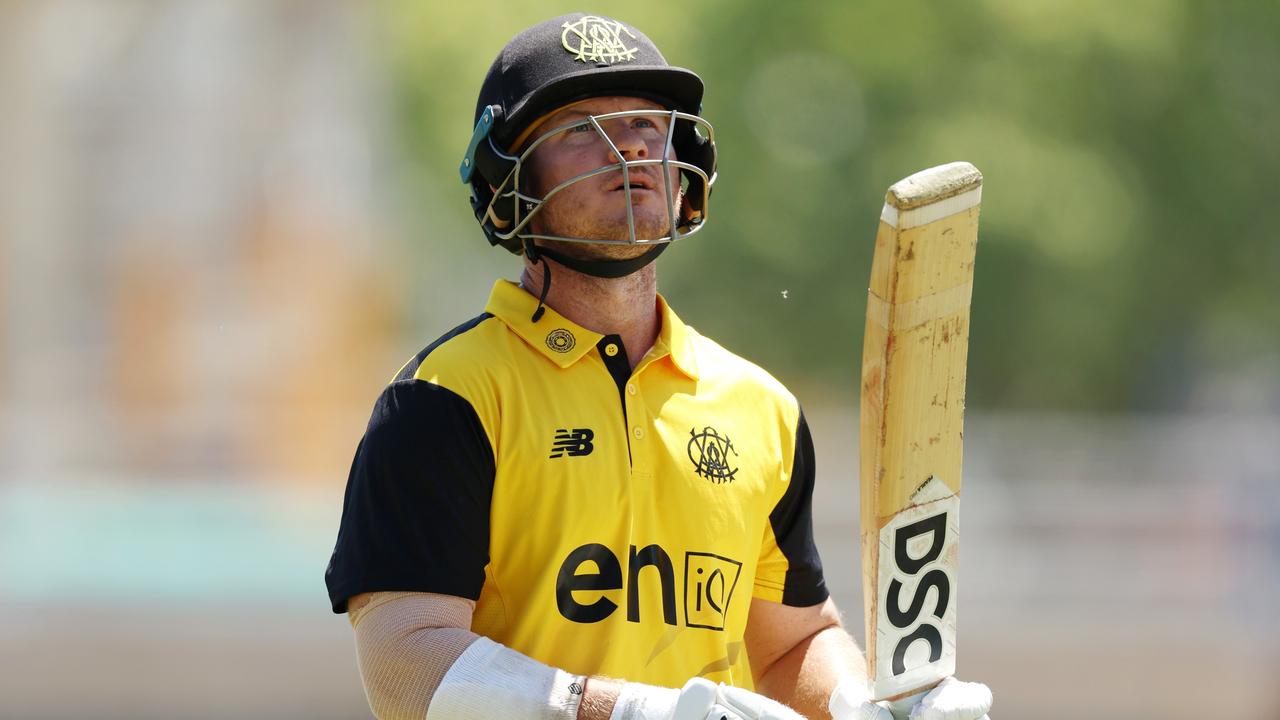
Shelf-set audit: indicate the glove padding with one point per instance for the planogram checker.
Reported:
(954, 700)
(949, 700)
(851, 701)
(700, 699)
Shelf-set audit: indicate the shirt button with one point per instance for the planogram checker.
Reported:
(631, 388)
(611, 349)
(638, 432)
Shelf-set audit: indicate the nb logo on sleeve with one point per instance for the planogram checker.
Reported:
(574, 443)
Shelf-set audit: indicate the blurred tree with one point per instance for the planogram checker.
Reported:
(1128, 258)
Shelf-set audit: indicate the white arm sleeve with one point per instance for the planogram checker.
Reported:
(493, 681)
(419, 659)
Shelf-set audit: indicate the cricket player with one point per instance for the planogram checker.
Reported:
(574, 505)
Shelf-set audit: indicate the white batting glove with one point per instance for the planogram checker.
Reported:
(954, 700)
(851, 701)
(949, 700)
(700, 699)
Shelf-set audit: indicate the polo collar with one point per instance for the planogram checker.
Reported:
(564, 342)
(676, 338)
(561, 340)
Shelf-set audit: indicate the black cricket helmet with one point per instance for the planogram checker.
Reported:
(561, 61)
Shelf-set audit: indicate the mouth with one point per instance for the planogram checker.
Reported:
(637, 182)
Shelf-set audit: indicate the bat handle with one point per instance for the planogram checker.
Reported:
(901, 708)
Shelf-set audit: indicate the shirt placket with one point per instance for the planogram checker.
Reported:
(635, 415)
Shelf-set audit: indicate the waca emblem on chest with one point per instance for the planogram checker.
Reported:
(709, 451)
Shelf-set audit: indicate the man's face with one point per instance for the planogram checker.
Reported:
(596, 207)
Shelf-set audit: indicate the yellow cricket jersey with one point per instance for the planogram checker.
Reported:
(605, 520)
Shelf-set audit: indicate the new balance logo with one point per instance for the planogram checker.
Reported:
(573, 442)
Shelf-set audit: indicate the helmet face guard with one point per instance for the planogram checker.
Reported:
(505, 208)
(554, 64)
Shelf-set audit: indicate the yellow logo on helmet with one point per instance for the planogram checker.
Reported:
(596, 40)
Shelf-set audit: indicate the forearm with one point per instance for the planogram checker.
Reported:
(405, 655)
(599, 697)
(805, 677)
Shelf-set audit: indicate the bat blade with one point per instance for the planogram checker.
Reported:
(912, 425)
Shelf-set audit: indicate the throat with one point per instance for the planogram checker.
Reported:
(625, 306)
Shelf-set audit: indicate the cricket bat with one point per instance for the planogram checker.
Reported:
(912, 427)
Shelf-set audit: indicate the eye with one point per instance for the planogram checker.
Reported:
(645, 123)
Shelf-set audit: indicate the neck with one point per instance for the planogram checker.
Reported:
(625, 306)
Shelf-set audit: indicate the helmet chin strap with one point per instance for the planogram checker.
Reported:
(594, 268)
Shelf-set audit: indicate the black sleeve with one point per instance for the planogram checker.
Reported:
(416, 512)
(792, 521)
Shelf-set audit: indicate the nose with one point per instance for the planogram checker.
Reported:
(629, 141)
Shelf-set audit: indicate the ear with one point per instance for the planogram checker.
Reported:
(498, 222)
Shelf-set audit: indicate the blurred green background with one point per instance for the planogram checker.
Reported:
(225, 223)
(1129, 260)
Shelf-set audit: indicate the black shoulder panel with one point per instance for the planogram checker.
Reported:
(416, 512)
(792, 521)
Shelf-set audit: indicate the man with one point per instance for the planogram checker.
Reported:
(574, 503)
